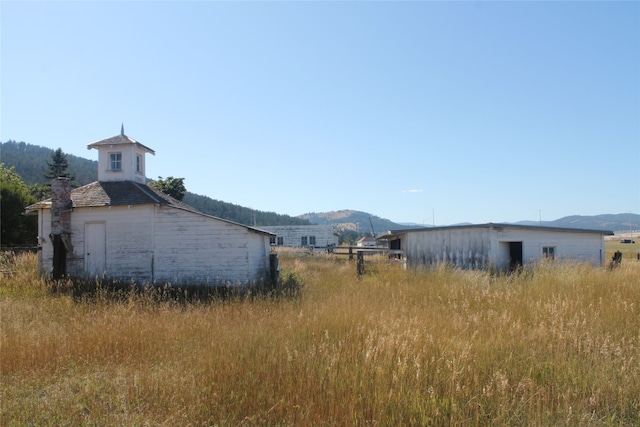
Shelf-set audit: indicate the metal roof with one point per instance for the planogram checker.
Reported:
(491, 225)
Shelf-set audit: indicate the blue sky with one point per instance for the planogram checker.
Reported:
(466, 111)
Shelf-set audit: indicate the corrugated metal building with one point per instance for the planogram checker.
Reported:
(500, 246)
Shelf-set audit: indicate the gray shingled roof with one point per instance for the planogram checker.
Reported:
(119, 140)
(119, 193)
(115, 193)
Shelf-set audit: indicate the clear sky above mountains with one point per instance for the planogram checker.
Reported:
(472, 111)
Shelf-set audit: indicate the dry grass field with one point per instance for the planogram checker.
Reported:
(555, 345)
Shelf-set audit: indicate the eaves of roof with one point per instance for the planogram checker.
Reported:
(490, 225)
(125, 193)
(117, 193)
(119, 140)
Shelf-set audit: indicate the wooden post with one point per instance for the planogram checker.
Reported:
(360, 263)
(350, 253)
(274, 269)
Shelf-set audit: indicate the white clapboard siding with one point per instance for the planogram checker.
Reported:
(196, 249)
(151, 244)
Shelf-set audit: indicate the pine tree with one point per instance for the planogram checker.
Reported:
(174, 187)
(57, 167)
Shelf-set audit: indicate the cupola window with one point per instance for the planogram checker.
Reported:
(115, 161)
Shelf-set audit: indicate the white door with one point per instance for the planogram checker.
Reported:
(95, 248)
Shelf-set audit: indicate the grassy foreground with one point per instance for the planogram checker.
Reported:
(559, 345)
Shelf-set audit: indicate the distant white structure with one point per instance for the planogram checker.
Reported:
(501, 246)
(367, 242)
(318, 236)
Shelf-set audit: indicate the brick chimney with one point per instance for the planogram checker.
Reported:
(61, 206)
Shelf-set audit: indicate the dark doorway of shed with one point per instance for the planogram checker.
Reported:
(515, 255)
(395, 245)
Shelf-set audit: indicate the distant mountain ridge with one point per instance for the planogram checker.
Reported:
(356, 220)
(361, 222)
(610, 222)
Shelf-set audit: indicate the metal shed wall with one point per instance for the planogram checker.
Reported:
(488, 246)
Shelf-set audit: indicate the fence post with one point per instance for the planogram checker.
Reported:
(360, 263)
(274, 269)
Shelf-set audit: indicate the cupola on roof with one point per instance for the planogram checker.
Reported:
(121, 158)
(119, 140)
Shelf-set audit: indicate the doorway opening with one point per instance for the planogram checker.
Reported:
(515, 255)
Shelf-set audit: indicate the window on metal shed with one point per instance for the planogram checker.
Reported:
(549, 252)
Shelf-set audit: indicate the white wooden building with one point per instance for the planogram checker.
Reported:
(500, 246)
(119, 228)
(367, 242)
(318, 236)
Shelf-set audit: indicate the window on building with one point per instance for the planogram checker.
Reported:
(138, 163)
(312, 240)
(115, 161)
(280, 241)
(272, 240)
(549, 252)
(303, 241)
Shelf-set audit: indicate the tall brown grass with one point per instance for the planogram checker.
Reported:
(555, 345)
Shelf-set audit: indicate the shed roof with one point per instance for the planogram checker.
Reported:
(395, 233)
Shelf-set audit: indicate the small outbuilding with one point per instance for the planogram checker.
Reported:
(367, 242)
(120, 228)
(318, 236)
(495, 246)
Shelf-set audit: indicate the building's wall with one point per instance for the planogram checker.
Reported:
(367, 243)
(568, 245)
(128, 253)
(128, 172)
(292, 234)
(147, 244)
(199, 250)
(481, 248)
(45, 246)
(462, 248)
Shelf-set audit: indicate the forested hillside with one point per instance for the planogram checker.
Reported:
(30, 162)
(239, 214)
